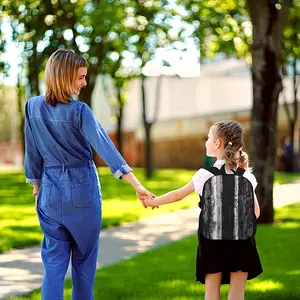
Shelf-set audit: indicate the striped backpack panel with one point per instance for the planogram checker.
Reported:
(227, 206)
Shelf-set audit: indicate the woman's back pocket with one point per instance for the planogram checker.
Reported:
(81, 193)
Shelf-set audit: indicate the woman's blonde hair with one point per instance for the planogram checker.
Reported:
(231, 134)
(60, 75)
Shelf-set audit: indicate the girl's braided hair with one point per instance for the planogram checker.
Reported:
(231, 134)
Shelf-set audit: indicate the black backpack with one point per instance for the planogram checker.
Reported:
(227, 206)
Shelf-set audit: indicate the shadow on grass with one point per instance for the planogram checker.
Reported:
(25, 228)
(168, 272)
(116, 221)
(18, 237)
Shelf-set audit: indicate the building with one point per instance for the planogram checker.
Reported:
(187, 109)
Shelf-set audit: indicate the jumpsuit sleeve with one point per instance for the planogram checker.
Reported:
(97, 137)
(33, 162)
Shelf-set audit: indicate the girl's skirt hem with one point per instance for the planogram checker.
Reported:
(226, 257)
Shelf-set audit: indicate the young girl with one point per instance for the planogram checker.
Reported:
(59, 134)
(221, 261)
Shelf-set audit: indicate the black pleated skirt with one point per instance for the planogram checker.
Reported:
(214, 256)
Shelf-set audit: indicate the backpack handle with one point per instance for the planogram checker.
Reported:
(222, 171)
(239, 171)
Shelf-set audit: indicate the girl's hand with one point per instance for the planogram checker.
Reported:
(150, 202)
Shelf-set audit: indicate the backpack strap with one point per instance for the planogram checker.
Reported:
(240, 171)
(213, 170)
(222, 171)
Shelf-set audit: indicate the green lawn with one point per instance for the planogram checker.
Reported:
(168, 272)
(281, 178)
(19, 225)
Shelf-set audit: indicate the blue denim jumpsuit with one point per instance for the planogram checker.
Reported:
(58, 157)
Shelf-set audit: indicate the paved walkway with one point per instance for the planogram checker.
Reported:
(21, 270)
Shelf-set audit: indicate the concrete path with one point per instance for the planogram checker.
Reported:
(22, 271)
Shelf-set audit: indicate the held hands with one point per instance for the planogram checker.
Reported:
(143, 194)
(150, 202)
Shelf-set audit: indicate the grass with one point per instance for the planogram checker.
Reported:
(168, 273)
(19, 225)
(282, 178)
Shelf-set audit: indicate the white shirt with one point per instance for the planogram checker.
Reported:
(202, 175)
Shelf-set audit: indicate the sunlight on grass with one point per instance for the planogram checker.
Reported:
(281, 178)
(168, 272)
(265, 286)
(289, 225)
(19, 224)
(294, 272)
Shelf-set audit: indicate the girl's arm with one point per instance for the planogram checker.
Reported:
(256, 207)
(172, 196)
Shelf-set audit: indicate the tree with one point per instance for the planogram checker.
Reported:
(268, 21)
(115, 66)
(220, 27)
(39, 27)
(224, 26)
(152, 25)
(117, 100)
(291, 51)
(89, 28)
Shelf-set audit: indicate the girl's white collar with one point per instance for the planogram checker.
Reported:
(219, 162)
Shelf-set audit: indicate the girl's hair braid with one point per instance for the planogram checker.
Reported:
(231, 134)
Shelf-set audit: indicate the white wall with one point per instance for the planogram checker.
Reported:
(181, 99)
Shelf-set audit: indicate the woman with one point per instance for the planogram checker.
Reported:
(59, 134)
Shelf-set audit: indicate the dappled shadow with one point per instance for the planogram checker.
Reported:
(115, 244)
(169, 272)
(123, 242)
(20, 271)
(25, 228)
(287, 220)
(19, 237)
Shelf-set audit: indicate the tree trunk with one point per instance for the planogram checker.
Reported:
(20, 96)
(33, 74)
(295, 147)
(86, 93)
(120, 120)
(292, 157)
(148, 150)
(268, 23)
(147, 127)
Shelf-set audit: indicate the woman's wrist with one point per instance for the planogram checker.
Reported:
(35, 190)
(132, 180)
(137, 186)
(35, 193)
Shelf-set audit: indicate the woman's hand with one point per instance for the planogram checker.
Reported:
(36, 198)
(35, 193)
(143, 194)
